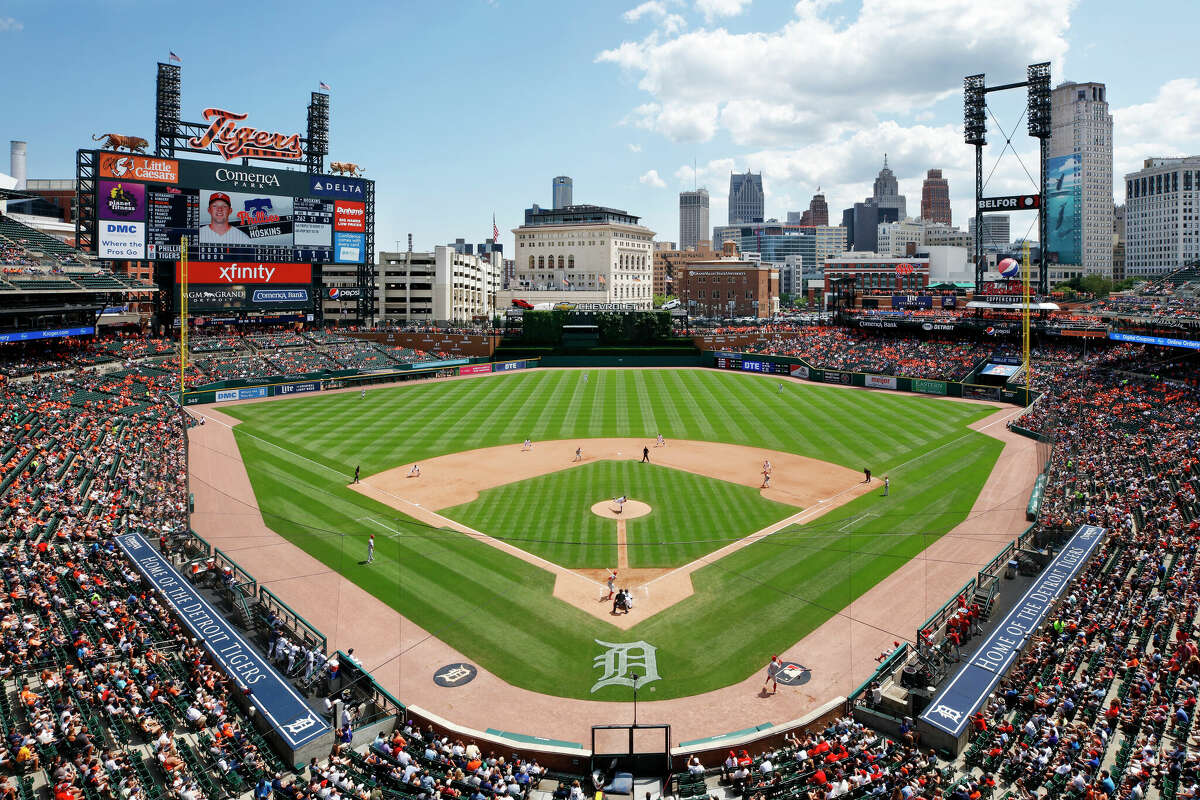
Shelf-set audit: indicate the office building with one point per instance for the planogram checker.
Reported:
(862, 224)
(438, 286)
(900, 237)
(774, 241)
(602, 251)
(693, 218)
(1079, 203)
(996, 233)
(886, 192)
(817, 212)
(935, 198)
(728, 286)
(562, 189)
(745, 198)
(667, 262)
(1162, 216)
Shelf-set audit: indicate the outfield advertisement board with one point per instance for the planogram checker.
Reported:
(298, 388)
(879, 381)
(798, 371)
(833, 376)
(1161, 341)
(505, 366)
(928, 387)
(56, 333)
(247, 393)
(475, 369)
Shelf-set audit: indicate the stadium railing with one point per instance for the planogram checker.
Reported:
(301, 628)
(376, 705)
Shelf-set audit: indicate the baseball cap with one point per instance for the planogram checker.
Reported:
(215, 196)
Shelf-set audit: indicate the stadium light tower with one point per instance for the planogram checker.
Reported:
(975, 133)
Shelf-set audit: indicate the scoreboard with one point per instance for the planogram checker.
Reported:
(750, 365)
(146, 205)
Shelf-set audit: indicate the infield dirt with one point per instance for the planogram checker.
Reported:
(813, 486)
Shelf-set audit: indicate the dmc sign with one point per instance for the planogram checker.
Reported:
(1016, 202)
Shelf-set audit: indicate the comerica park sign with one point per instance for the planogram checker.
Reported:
(1015, 202)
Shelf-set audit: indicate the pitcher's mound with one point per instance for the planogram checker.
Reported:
(608, 509)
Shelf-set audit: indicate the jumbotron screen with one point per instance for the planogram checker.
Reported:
(229, 212)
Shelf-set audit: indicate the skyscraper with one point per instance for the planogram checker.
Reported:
(817, 212)
(562, 189)
(1160, 203)
(935, 198)
(1079, 203)
(887, 191)
(693, 218)
(745, 198)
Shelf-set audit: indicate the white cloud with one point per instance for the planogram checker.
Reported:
(651, 179)
(712, 9)
(669, 22)
(827, 75)
(9, 24)
(635, 148)
(1168, 125)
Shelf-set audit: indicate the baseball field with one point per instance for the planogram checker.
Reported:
(500, 610)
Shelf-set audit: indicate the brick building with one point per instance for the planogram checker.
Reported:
(728, 287)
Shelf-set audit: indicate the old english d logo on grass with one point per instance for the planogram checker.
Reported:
(620, 658)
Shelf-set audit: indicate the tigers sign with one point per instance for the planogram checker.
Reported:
(233, 141)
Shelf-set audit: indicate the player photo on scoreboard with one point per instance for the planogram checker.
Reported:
(236, 218)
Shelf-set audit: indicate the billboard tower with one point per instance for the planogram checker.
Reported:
(1037, 113)
(304, 228)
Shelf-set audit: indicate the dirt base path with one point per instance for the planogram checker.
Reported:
(816, 486)
(458, 478)
(840, 654)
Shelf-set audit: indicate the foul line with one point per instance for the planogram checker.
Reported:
(759, 535)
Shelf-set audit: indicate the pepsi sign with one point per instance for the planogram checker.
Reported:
(337, 188)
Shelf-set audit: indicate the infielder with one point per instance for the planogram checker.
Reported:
(371, 549)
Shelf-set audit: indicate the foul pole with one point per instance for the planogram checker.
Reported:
(183, 314)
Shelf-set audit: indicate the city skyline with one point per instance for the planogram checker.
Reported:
(647, 65)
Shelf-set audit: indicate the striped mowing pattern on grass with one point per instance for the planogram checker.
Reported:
(498, 610)
(551, 516)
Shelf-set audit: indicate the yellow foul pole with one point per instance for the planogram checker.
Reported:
(183, 313)
(1025, 319)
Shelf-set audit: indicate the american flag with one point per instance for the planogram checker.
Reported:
(325, 86)
(565, 281)
(175, 57)
(495, 230)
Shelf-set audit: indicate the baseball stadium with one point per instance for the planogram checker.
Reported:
(263, 550)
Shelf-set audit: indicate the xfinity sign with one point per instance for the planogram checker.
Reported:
(1016, 202)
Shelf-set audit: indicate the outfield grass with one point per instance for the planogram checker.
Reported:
(498, 610)
(551, 515)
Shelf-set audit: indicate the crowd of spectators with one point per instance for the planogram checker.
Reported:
(843, 349)
(1100, 706)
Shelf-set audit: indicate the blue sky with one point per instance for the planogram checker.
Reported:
(466, 108)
